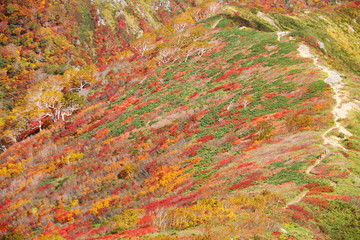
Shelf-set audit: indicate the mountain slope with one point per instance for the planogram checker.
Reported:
(214, 131)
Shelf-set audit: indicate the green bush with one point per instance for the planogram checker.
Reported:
(342, 221)
(285, 176)
(4, 62)
(223, 23)
(54, 69)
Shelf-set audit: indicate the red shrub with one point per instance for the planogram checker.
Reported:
(289, 77)
(300, 112)
(191, 151)
(5, 203)
(322, 189)
(294, 148)
(280, 114)
(254, 175)
(101, 134)
(300, 212)
(43, 187)
(226, 87)
(311, 185)
(147, 219)
(225, 161)
(242, 185)
(105, 150)
(150, 207)
(65, 230)
(206, 138)
(173, 130)
(316, 201)
(147, 103)
(269, 95)
(245, 165)
(114, 98)
(184, 199)
(194, 95)
(337, 197)
(113, 236)
(230, 139)
(62, 216)
(252, 147)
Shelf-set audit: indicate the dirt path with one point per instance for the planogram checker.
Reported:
(340, 111)
(297, 199)
(216, 22)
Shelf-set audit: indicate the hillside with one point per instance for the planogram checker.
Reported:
(48, 37)
(180, 120)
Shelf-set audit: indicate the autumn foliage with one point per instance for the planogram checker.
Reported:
(163, 120)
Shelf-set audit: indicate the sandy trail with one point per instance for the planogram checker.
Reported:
(297, 198)
(340, 111)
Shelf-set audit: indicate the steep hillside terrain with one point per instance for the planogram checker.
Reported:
(181, 120)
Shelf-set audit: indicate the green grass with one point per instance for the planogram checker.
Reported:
(341, 221)
(313, 27)
(289, 173)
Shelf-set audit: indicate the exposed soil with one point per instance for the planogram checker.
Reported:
(340, 111)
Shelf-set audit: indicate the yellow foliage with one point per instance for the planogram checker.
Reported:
(75, 78)
(10, 169)
(103, 203)
(90, 110)
(109, 18)
(346, 43)
(165, 31)
(74, 203)
(300, 122)
(86, 191)
(152, 63)
(146, 145)
(142, 157)
(181, 218)
(133, 23)
(205, 211)
(3, 39)
(49, 167)
(181, 22)
(2, 123)
(108, 178)
(53, 236)
(167, 178)
(145, 43)
(113, 166)
(128, 171)
(210, 208)
(125, 54)
(265, 200)
(127, 219)
(17, 205)
(72, 157)
(254, 211)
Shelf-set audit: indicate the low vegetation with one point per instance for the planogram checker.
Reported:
(205, 126)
